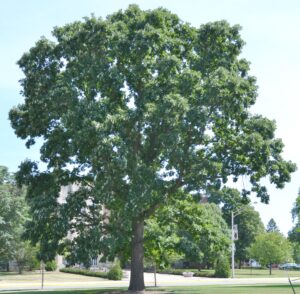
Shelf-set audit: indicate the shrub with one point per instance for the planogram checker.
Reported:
(222, 269)
(51, 266)
(115, 273)
(33, 263)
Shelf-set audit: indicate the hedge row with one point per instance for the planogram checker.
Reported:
(115, 273)
(84, 272)
(197, 273)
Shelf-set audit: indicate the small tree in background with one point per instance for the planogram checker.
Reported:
(196, 232)
(115, 272)
(248, 220)
(272, 226)
(25, 256)
(270, 248)
(296, 251)
(13, 215)
(51, 266)
(294, 233)
(222, 267)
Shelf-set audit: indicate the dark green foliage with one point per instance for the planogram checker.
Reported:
(247, 219)
(296, 209)
(13, 215)
(195, 232)
(250, 226)
(115, 272)
(84, 272)
(294, 233)
(134, 109)
(51, 266)
(222, 267)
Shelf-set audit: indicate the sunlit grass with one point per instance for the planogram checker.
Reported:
(258, 273)
(220, 289)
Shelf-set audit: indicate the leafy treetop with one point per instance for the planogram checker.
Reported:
(270, 248)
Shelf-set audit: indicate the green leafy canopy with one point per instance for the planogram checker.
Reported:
(271, 248)
(134, 108)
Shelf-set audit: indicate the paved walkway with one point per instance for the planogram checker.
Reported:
(69, 281)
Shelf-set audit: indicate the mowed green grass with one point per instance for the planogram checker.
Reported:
(221, 289)
(264, 273)
(234, 289)
(261, 273)
(239, 273)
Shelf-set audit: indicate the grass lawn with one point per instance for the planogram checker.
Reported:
(259, 273)
(211, 289)
(223, 289)
(239, 273)
(236, 289)
(264, 273)
(96, 291)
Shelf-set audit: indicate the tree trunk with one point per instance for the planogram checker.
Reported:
(137, 257)
(43, 273)
(199, 266)
(155, 284)
(20, 268)
(270, 265)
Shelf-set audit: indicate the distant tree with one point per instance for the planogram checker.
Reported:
(272, 226)
(270, 248)
(248, 220)
(135, 108)
(13, 214)
(296, 251)
(250, 226)
(197, 232)
(160, 243)
(294, 233)
(204, 235)
(25, 255)
(296, 209)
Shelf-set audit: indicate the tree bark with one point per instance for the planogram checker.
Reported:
(155, 284)
(137, 257)
(20, 268)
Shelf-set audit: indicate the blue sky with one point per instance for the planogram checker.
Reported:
(270, 29)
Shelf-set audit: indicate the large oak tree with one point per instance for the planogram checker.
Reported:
(135, 108)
